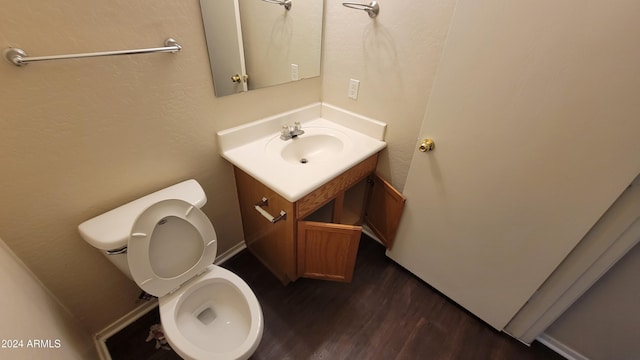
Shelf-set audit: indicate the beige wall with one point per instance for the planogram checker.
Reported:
(395, 57)
(80, 137)
(275, 38)
(29, 312)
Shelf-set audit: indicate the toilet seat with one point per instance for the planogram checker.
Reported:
(171, 242)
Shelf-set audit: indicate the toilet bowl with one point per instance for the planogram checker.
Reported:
(207, 312)
(212, 318)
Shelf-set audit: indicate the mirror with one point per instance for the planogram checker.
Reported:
(258, 43)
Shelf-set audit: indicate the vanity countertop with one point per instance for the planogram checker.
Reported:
(334, 141)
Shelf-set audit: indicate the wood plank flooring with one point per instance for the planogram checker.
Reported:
(130, 343)
(385, 313)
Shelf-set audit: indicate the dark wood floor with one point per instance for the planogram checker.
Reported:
(385, 313)
(130, 343)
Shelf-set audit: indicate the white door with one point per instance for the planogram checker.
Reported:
(535, 114)
(224, 40)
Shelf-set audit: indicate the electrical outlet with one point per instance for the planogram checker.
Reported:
(354, 87)
(294, 72)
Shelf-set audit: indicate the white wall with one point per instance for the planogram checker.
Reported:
(29, 312)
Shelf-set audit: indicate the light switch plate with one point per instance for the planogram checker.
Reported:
(354, 87)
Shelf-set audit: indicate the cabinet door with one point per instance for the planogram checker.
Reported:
(384, 209)
(327, 251)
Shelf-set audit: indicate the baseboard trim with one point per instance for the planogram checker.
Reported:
(100, 338)
(560, 348)
(224, 257)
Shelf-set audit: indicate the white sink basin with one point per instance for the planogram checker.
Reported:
(315, 145)
(312, 148)
(293, 168)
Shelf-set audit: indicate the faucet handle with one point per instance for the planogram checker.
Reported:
(297, 126)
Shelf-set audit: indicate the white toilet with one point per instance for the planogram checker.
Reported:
(167, 246)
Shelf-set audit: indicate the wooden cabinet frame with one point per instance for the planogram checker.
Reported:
(301, 246)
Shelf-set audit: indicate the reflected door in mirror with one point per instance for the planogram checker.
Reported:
(224, 41)
(265, 43)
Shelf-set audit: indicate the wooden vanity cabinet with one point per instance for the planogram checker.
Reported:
(320, 235)
(272, 243)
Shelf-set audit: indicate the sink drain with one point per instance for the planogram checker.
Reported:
(303, 161)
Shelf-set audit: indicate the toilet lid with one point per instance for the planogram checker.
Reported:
(171, 242)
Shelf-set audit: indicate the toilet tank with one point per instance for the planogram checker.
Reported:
(110, 231)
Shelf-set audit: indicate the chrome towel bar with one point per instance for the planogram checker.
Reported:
(286, 3)
(373, 9)
(19, 57)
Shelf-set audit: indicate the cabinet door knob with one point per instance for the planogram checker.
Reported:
(426, 145)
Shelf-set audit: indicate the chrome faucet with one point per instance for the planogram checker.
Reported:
(290, 132)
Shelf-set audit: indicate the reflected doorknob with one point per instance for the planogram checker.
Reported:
(426, 145)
